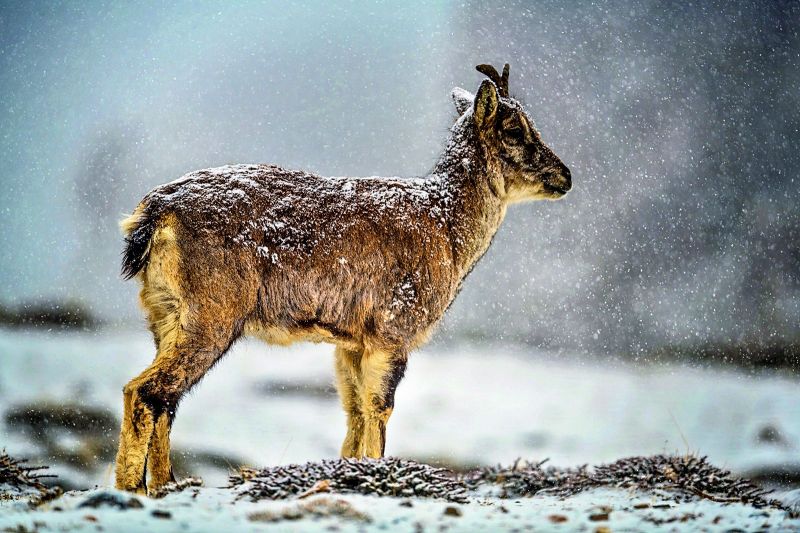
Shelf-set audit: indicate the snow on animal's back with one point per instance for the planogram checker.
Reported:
(275, 211)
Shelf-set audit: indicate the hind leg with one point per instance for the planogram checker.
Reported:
(164, 315)
(151, 399)
(159, 466)
(133, 442)
(347, 383)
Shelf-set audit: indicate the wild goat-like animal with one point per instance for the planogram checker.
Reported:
(368, 264)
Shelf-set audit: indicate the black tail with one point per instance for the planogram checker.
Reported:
(137, 245)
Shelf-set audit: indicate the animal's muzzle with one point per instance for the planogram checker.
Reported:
(567, 176)
(559, 179)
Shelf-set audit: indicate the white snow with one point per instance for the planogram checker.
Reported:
(216, 510)
(459, 406)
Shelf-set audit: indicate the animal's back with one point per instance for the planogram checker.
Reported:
(278, 211)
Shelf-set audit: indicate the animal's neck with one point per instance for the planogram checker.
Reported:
(476, 200)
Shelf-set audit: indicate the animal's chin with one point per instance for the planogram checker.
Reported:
(553, 192)
(536, 190)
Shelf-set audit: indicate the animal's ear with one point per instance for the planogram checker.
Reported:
(486, 105)
(462, 99)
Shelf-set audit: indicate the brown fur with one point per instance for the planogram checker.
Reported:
(367, 264)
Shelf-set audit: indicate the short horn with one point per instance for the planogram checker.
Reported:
(504, 80)
(490, 72)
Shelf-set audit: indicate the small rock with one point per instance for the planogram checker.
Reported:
(770, 434)
(158, 513)
(111, 499)
(598, 517)
(452, 510)
(293, 513)
(406, 503)
(557, 518)
(263, 516)
(175, 486)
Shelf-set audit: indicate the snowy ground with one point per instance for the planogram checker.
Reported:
(267, 406)
(459, 407)
(216, 510)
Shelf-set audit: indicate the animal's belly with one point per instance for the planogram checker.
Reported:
(284, 336)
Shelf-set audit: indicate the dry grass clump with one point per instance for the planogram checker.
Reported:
(685, 477)
(383, 477)
(20, 481)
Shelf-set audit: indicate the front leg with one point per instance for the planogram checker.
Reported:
(381, 372)
(348, 369)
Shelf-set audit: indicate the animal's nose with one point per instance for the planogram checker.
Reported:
(567, 178)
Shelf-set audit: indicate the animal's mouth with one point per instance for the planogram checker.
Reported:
(556, 189)
(557, 183)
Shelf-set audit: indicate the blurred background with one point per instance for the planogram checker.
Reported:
(657, 307)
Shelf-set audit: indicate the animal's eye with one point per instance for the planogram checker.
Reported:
(514, 132)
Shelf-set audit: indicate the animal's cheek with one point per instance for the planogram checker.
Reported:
(509, 146)
(510, 153)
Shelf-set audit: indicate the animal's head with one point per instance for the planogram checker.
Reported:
(510, 142)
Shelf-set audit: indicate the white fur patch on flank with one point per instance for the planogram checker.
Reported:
(129, 223)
